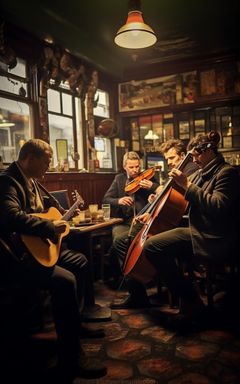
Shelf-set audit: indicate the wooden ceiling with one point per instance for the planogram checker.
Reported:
(87, 28)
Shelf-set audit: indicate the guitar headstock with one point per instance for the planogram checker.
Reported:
(77, 198)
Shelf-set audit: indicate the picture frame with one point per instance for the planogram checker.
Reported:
(227, 141)
(208, 82)
(184, 130)
(146, 94)
(199, 125)
(62, 149)
(134, 130)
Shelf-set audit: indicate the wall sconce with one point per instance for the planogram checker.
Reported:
(135, 33)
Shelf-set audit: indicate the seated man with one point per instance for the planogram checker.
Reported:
(20, 197)
(174, 152)
(212, 235)
(124, 205)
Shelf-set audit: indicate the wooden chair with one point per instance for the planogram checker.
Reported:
(216, 277)
(62, 197)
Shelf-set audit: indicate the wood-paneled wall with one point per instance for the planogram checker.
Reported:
(91, 186)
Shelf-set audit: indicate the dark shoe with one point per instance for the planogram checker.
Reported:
(131, 303)
(91, 333)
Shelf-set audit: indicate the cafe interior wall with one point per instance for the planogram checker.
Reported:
(27, 46)
(19, 43)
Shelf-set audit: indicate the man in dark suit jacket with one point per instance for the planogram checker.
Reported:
(20, 197)
(124, 205)
(174, 151)
(213, 194)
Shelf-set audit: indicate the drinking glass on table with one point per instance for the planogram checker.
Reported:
(106, 211)
(93, 208)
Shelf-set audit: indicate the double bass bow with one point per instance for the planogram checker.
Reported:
(165, 213)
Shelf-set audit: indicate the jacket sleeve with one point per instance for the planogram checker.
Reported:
(13, 217)
(154, 186)
(221, 198)
(114, 192)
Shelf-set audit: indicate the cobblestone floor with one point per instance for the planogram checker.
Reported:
(140, 349)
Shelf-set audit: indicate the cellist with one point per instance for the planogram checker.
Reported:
(174, 151)
(212, 235)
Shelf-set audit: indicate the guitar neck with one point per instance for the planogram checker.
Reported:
(67, 215)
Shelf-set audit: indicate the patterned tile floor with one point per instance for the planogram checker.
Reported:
(139, 349)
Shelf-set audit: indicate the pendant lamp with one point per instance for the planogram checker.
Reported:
(135, 34)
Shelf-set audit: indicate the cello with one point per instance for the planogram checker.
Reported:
(166, 212)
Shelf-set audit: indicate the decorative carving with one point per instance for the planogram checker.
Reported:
(7, 54)
(59, 65)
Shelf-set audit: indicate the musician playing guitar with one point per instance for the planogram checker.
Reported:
(21, 207)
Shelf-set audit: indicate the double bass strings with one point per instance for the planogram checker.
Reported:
(151, 206)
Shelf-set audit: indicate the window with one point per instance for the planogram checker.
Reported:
(15, 110)
(14, 80)
(102, 108)
(14, 128)
(64, 116)
(102, 145)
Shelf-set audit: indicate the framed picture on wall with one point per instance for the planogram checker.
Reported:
(199, 125)
(184, 130)
(134, 130)
(150, 93)
(62, 149)
(189, 89)
(208, 82)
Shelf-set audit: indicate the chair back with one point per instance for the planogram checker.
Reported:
(62, 197)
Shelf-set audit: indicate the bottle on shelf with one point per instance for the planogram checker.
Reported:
(96, 164)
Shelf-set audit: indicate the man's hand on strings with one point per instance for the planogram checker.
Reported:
(152, 197)
(180, 178)
(146, 184)
(143, 218)
(59, 226)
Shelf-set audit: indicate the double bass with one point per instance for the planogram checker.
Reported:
(166, 212)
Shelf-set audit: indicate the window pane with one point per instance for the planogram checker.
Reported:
(54, 104)
(103, 152)
(19, 70)
(79, 132)
(61, 128)
(12, 86)
(14, 128)
(102, 108)
(67, 104)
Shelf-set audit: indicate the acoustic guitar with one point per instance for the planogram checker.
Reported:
(45, 251)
